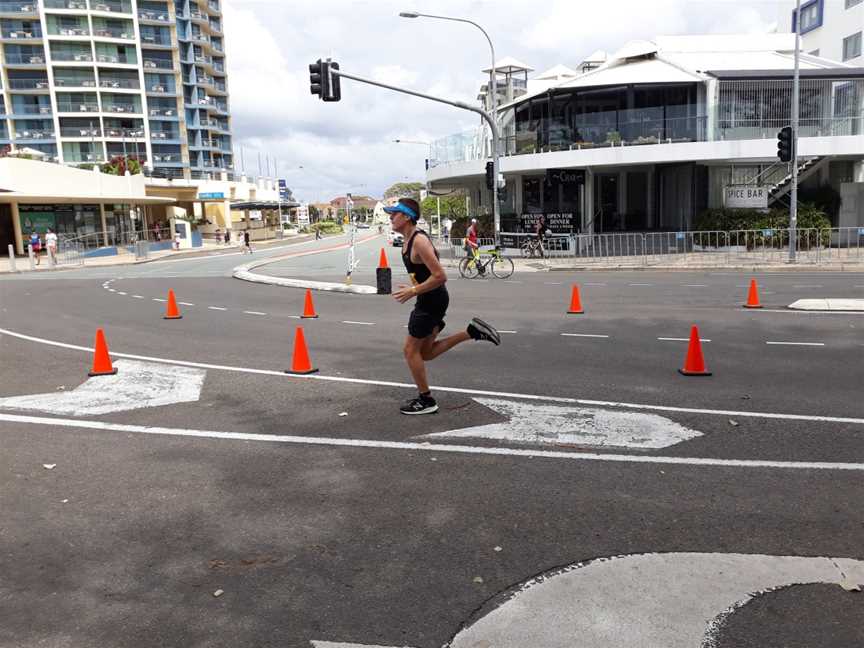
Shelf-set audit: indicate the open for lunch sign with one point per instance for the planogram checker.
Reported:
(558, 223)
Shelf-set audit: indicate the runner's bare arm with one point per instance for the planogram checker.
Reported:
(426, 251)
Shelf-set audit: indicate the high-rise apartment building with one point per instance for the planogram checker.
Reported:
(86, 80)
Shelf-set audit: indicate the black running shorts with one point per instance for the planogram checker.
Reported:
(422, 323)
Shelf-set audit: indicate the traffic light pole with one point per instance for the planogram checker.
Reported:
(793, 207)
(490, 119)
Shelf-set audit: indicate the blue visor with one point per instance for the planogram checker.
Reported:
(405, 209)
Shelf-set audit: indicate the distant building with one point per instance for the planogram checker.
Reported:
(831, 30)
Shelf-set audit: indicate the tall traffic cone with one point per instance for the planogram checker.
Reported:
(382, 260)
(575, 302)
(753, 296)
(300, 363)
(171, 311)
(694, 364)
(308, 307)
(101, 359)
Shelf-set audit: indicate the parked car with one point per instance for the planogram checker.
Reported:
(395, 238)
(362, 225)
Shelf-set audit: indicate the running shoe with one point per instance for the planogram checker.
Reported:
(480, 330)
(419, 405)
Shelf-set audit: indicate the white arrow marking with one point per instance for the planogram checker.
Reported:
(136, 385)
(675, 600)
(556, 425)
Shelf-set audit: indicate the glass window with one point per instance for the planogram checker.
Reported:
(852, 3)
(809, 17)
(852, 46)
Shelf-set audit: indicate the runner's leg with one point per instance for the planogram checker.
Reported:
(414, 357)
(432, 348)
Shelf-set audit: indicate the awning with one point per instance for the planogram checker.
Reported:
(262, 204)
(41, 199)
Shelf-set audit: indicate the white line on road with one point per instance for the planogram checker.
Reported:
(294, 317)
(138, 296)
(452, 390)
(254, 313)
(595, 284)
(553, 283)
(512, 332)
(807, 286)
(430, 447)
(186, 303)
(585, 335)
(120, 292)
(159, 300)
(665, 339)
(359, 323)
(640, 284)
(695, 285)
(219, 308)
(799, 343)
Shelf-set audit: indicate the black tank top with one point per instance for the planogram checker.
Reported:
(419, 272)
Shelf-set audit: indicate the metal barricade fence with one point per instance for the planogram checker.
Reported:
(142, 250)
(70, 253)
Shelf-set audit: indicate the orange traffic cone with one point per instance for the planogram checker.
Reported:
(171, 311)
(575, 302)
(694, 364)
(753, 296)
(308, 307)
(101, 359)
(300, 363)
(382, 260)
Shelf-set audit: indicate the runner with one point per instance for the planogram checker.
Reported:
(427, 319)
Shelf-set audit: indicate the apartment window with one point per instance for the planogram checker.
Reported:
(814, 52)
(852, 3)
(852, 46)
(811, 16)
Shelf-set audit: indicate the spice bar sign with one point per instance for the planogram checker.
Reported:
(740, 197)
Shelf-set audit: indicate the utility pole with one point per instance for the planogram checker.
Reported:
(793, 207)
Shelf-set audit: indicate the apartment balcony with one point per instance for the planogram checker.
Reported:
(167, 158)
(86, 107)
(121, 33)
(34, 134)
(25, 60)
(19, 9)
(74, 82)
(161, 89)
(153, 16)
(215, 27)
(214, 7)
(38, 85)
(29, 110)
(119, 84)
(164, 137)
(197, 16)
(83, 158)
(158, 64)
(111, 6)
(155, 40)
(21, 34)
(88, 133)
(121, 108)
(73, 5)
(115, 59)
(72, 57)
(163, 112)
(124, 133)
(55, 29)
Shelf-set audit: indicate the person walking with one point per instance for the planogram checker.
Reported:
(227, 236)
(36, 244)
(426, 321)
(246, 244)
(51, 245)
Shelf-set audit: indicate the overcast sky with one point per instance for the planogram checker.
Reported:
(348, 146)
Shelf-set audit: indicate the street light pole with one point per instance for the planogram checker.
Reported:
(493, 88)
(793, 207)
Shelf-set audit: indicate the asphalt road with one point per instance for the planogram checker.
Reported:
(324, 515)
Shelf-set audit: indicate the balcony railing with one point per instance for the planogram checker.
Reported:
(115, 59)
(739, 129)
(74, 57)
(80, 132)
(143, 14)
(114, 7)
(78, 156)
(167, 157)
(126, 84)
(113, 32)
(158, 64)
(164, 135)
(124, 133)
(163, 112)
(77, 107)
(34, 134)
(28, 84)
(66, 4)
(18, 7)
(155, 39)
(74, 82)
(55, 30)
(21, 34)
(121, 108)
(161, 88)
(30, 109)
(25, 59)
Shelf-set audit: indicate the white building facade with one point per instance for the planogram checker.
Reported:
(831, 29)
(657, 133)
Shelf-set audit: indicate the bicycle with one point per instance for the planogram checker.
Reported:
(533, 247)
(474, 266)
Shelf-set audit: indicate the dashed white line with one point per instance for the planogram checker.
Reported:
(807, 286)
(598, 284)
(219, 308)
(585, 335)
(798, 343)
(254, 313)
(553, 283)
(670, 339)
(120, 292)
(294, 317)
(137, 296)
(640, 284)
(512, 332)
(159, 300)
(358, 323)
(186, 303)
(695, 285)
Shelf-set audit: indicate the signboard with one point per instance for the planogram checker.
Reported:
(284, 193)
(559, 223)
(303, 214)
(565, 176)
(212, 195)
(255, 214)
(741, 197)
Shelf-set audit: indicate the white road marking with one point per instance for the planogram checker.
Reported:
(585, 335)
(798, 343)
(640, 284)
(452, 390)
(219, 308)
(254, 313)
(138, 296)
(294, 317)
(134, 386)
(670, 339)
(159, 300)
(807, 286)
(185, 304)
(111, 290)
(359, 323)
(120, 292)
(331, 644)
(595, 284)
(598, 602)
(553, 283)
(431, 447)
(511, 332)
(557, 425)
(695, 285)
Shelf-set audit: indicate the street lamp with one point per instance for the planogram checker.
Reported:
(493, 86)
(438, 198)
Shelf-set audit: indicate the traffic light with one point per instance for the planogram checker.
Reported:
(785, 144)
(319, 79)
(334, 84)
(490, 175)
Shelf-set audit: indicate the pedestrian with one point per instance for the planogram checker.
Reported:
(217, 235)
(227, 236)
(177, 239)
(472, 245)
(446, 226)
(51, 245)
(156, 235)
(317, 232)
(246, 243)
(426, 322)
(35, 244)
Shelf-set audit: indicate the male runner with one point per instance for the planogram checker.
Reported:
(427, 319)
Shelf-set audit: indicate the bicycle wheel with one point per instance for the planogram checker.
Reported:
(527, 250)
(502, 267)
(468, 268)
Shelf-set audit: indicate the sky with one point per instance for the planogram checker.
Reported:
(325, 150)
